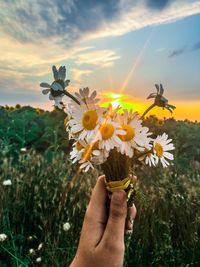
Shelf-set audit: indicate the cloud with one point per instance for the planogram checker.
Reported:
(103, 58)
(67, 22)
(180, 51)
(30, 21)
(176, 52)
(139, 16)
(78, 74)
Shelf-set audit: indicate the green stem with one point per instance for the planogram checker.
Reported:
(71, 96)
(147, 110)
(17, 259)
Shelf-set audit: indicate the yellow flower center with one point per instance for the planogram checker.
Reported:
(159, 150)
(89, 119)
(87, 152)
(130, 133)
(106, 130)
(78, 146)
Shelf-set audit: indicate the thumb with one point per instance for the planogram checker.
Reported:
(114, 232)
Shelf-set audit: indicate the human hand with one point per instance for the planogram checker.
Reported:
(102, 239)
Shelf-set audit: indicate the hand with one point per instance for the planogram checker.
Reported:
(102, 239)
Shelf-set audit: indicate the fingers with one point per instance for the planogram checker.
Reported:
(95, 217)
(96, 207)
(131, 214)
(114, 232)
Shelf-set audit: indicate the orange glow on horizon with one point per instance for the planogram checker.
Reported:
(184, 109)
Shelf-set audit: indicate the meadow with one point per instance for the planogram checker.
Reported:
(34, 150)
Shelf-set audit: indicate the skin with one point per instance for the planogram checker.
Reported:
(102, 237)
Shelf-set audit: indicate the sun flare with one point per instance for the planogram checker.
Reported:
(123, 100)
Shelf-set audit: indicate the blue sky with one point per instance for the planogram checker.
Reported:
(121, 46)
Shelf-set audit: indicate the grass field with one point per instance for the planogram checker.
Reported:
(41, 198)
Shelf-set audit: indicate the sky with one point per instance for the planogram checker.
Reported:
(120, 48)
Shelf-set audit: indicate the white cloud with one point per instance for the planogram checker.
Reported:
(78, 74)
(139, 16)
(103, 58)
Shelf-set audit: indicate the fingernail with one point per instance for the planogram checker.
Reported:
(118, 196)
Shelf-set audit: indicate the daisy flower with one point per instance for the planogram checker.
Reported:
(66, 226)
(85, 153)
(89, 152)
(160, 100)
(135, 135)
(108, 134)
(55, 90)
(3, 237)
(85, 121)
(77, 151)
(84, 96)
(7, 182)
(161, 146)
(150, 157)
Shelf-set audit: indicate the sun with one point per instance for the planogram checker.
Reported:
(123, 100)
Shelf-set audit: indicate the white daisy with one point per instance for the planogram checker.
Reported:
(77, 151)
(55, 90)
(150, 158)
(7, 182)
(66, 226)
(84, 96)
(85, 153)
(108, 134)
(39, 260)
(90, 151)
(161, 146)
(3, 237)
(31, 251)
(135, 137)
(85, 121)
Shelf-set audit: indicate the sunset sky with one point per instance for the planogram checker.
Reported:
(120, 48)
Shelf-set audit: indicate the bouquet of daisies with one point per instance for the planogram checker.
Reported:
(110, 139)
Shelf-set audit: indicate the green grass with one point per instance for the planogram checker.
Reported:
(166, 231)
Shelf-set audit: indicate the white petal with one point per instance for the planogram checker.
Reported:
(86, 92)
(96, 152)
(55, 72)
(67, 83)
(168, 155)
(76, 128)
(83, 165)
(45, 85)
(169, 147)
(45, 91)
(93, 95)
